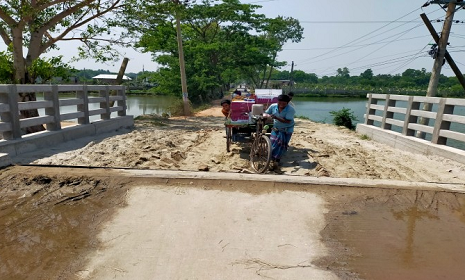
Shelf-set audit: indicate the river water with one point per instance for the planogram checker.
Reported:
(315, 108)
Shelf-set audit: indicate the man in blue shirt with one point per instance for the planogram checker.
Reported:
(283, 127)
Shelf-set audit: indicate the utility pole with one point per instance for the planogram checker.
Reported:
(442, 45)
(119, 77)
(182, 67)
(436, 72)
(122, 69)
(448, 57)
(291, 78)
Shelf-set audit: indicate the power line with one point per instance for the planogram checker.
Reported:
(408, 62)
(353, 21)
(380, 42)
(358, 39)
(387, 43)
(334, 56)
(384, 41)
(373, 21)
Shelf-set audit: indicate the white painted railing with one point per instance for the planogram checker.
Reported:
(11, 125)
(408, 109)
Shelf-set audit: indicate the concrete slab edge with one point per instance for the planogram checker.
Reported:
(409, 143)
(4, 159)
(301, 180)
(46, 139)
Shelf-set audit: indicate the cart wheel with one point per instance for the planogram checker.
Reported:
(260, 154)
(228, 138)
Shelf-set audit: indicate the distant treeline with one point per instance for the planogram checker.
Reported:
(410, 82)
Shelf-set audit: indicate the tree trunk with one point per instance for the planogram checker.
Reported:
(263, 80)
(22, 77)
(268, 78)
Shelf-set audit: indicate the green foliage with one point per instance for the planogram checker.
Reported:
(177, 108)
(42, 69)
(302, 117)
(6, 68)
(344, 117)
(364, 137)
(49, 68)
(32, 28)
(223, 41)
(410, 82)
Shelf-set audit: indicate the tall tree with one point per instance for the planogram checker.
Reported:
(278, 31)
(32, 28)
(224, 41)
(216, 43)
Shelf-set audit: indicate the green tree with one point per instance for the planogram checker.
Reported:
(344, 117)
(224, 42)
(6, 67)
(37, 26)
(302, 77)
(32, 28)
(367, 74)
(278, 31)
(343, 73)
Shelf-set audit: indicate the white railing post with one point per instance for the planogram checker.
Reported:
(106, 104)
(409, 118)
(122, 103)
(84, 107)
(13, 115)
(386, 113)
(370, 111)
(53, 111)
(439, 124)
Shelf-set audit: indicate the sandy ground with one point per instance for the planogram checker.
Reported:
(93, 223)
(198, 143)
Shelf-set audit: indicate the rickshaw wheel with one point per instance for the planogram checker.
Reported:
(228, 138)
(260, 154)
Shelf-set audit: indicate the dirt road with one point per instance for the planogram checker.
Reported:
(94, 223)
(198, 143)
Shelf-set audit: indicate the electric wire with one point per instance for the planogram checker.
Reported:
(382, 41)
(359, 38)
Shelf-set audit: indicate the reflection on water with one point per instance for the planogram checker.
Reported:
(136, 105)
(142, 105)
(318, 108)
(315, 108)
(412, 215)
(395, 234)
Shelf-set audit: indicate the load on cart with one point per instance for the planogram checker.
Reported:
(245, 121)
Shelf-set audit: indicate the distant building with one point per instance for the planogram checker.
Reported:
(109, 78)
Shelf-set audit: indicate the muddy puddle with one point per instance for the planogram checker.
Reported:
(48, 223)
(394, 234)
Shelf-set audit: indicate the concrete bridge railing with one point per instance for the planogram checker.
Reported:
(12, 127)
(395, 120)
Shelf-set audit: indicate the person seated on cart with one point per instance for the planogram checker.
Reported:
(283, 126)
(226, 104)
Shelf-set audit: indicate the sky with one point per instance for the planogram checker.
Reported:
(387, 37)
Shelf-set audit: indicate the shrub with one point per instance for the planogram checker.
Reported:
(344, 117)
(177, 108)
